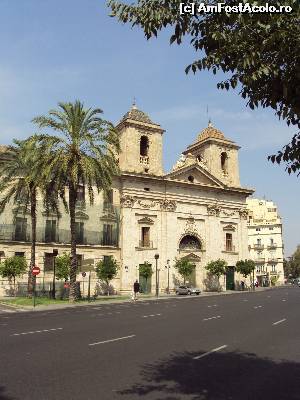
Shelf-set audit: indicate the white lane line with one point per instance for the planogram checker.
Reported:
(257, 307)
(30, 333)
(245, 300)
(151, 315)
(208, 319)
(283, 299)
(112, 340)
(279, 322)
(211, 351)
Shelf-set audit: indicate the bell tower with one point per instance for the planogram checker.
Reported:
(218, 153)
(141, 143)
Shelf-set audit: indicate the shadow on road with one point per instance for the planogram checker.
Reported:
(3, 396)
(219, 376)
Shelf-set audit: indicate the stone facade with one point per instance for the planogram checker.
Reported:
(197, 211)
(265, 240)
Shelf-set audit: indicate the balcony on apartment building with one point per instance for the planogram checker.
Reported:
(273, 260)
(259, 260)
(258, 246)
(272, 246)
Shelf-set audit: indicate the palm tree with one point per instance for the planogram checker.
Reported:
(83, 153)
(19, 186)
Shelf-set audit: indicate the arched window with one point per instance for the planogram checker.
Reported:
(190, 242)
(224, 161)
(144, 146)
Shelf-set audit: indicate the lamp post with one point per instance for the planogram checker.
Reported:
(55, 253)
(156, 256)
(168, 270)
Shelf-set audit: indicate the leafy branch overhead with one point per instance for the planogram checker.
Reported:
(259, 53)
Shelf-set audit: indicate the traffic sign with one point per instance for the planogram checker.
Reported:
(66, 285)
(83, 274)
(35, 270)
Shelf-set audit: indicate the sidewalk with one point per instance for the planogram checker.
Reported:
(105, 300)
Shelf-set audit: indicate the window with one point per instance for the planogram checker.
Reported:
(228, 244)
(271, 228)
(80, 193)
(257, 229)
(147, 189)
(50, 231)
(106, 259)
(273, 268)
(144, 146)
(21, 229)
(79, 226)
(191, 178)
(258, 242)
(145, 242)
(107, 235)
(20, 254)
(224, 161)
(108, 200)
(48, 262)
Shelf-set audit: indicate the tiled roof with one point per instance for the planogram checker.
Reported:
(210, 132)
(137, 115)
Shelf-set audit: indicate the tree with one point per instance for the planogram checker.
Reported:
(292, 266)
(245, 267)
(62, 266)
(217, 268)
(83, 153)
(19, 185)
(107, 270)
(258, 52)
(13, 267)
(145, 271)
(184, 268)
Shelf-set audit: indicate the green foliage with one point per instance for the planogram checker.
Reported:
(292, 266)
(245, 267)
(13, 267)
(274, 279)
(259, 53)
(62, 266)
(107, 269)
(184, 268)
(217, 268)
(145, 270)
(83, 152)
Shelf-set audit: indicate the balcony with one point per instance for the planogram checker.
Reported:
(229, 249)
(146, 244)
(144, 160)
(259, 260)
(8, 233)
(273, 260)
(258, 246)
(272, 246)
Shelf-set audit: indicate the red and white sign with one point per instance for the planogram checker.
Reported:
(35, 270)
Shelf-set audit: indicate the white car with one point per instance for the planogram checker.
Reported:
(183, 289)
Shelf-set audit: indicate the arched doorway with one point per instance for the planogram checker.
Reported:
(190, 243)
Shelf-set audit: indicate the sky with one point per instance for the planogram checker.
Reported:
(62, 50)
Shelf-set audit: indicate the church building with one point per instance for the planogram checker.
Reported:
(197, 212)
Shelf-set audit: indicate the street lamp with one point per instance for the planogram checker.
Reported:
(156, 256)
(55, 253)
(168, 270)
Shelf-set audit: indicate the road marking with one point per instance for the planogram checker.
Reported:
(245, 300)
(112, 340)
(211, 351)
(257, 307)
(30, 333)
(279, 322)
(283, 299)
(151, 315)
(208, 319)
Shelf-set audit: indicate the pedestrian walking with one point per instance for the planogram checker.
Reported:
(242, 285)
(136, 289)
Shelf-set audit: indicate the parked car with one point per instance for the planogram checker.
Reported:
(188, 290)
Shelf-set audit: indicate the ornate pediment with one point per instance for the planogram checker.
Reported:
(127, 201)
(243, 213)
(168, 205)
(229, 227)
(146, 221)
(21, 209)
(191, 257)
(81, 215)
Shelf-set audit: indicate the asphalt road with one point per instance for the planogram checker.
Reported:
(233, 347)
